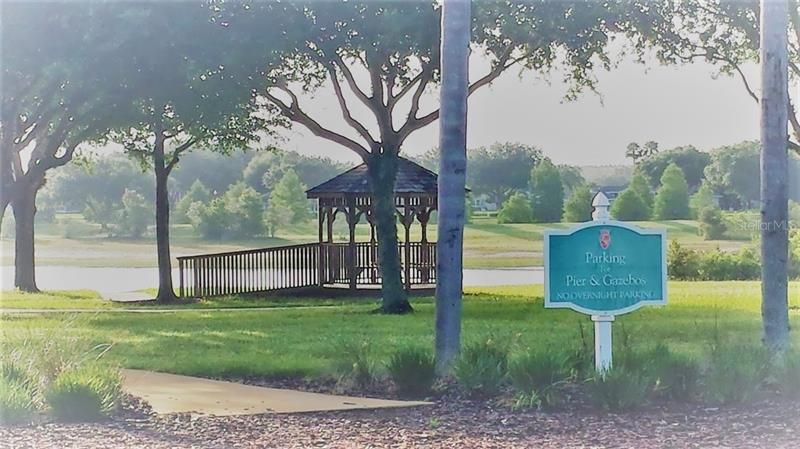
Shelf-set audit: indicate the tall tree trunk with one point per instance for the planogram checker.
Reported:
(24, 207)
(774, 174)
(383, 172)
(452, 179)
(165, 290)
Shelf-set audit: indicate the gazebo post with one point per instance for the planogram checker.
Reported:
(321, 248)
(352, 219)
(408, 219)
(423, 216)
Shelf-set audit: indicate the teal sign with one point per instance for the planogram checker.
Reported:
(604, 268)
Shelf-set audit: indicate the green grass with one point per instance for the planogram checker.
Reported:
(73, 299)
(308, 341)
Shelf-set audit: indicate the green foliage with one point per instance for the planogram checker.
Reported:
(514, 160)
(794, 254)
(735, 373)
(619, 389)
(672, 375)
(734, 173)
(629, 206)
(712, 224)
(17, 396)
(196, 193)
(413, 371)
(536, 376)
(287, 203)
(516, 209)
(692, 161)
(788, 374)
(672, 199)
(702, 199)
(719, 265)
(136, 214)
(88, 393)
(637, 153)
(579, 206)
(267, 168)
(642, 188)
(355, 365)
(572, 179)
(682, 263)
(245, 209)
(101, 211)
(547, 192)
(210, 221)
(481, 368)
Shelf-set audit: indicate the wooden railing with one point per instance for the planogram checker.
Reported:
(298, 266)
(250, 271)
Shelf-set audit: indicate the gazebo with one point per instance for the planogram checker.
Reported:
(327, 263)
(355, 263)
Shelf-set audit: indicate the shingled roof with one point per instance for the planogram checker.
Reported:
(411, 178)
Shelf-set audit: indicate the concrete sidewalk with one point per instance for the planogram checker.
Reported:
(170, 393)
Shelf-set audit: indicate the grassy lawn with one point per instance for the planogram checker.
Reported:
(307, 342)
(73, 242)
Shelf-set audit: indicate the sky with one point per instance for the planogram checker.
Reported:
(672, 105)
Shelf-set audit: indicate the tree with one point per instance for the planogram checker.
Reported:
(672, 199)
(197, 193)
(203, 98)
(547, 192)
(246, 211)
(641, 187)
(217, 171)
(135, 215)
(638, 153)
(579, 206)
(452, 180)
(629, 206)
(290, 193)
(702, 199)
(734, 174)
(514, 160)
(56, 95)
(210, 221)
(692, 161)
(774, 172)
(516, 209)
(571, 178)
(397, 44)
(103, 211)
(266, 169)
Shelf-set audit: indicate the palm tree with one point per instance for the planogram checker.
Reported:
(456, 18)
(774, 174)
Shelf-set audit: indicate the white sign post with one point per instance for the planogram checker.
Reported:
(603, 358)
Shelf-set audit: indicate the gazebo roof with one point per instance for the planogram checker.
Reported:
(412, 178)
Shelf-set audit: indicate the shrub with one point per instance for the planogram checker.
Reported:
(209, 221)
(536, 375)
(579, 206)
(641, 187)
(735, 373)
(629, 206)
(682, 263)
(619, 389)
(136, 214)
(702, 199)
(88, 393)
(672, 375)
(726, 266)
(413, 371)
(481, 368)
(516, 209)
(712, 225)
(197, 193)
(355, 365)
(672, 198)
(17, 401)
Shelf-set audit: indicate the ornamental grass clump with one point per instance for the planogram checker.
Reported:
(619, 389)
(735, 373)
(481, 368)
(536, 377)
(355, 366)
(413, 371)
(17, 396)
(89, 393)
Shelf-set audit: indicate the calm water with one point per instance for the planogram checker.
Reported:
(113, 280)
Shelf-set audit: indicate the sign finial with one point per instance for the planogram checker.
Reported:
(600, 204)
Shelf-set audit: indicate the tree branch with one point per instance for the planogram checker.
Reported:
(348, 117)
(296, 114)
(176, 153)
(351, 81)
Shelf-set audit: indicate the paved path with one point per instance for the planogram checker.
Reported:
(170, 393)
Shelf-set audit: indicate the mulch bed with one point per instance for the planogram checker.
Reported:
(452, 422)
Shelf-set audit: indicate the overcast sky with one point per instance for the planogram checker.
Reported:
(672, 105)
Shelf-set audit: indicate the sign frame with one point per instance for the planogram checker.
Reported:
(598, 224)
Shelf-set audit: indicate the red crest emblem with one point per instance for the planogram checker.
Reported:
(605, 238)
